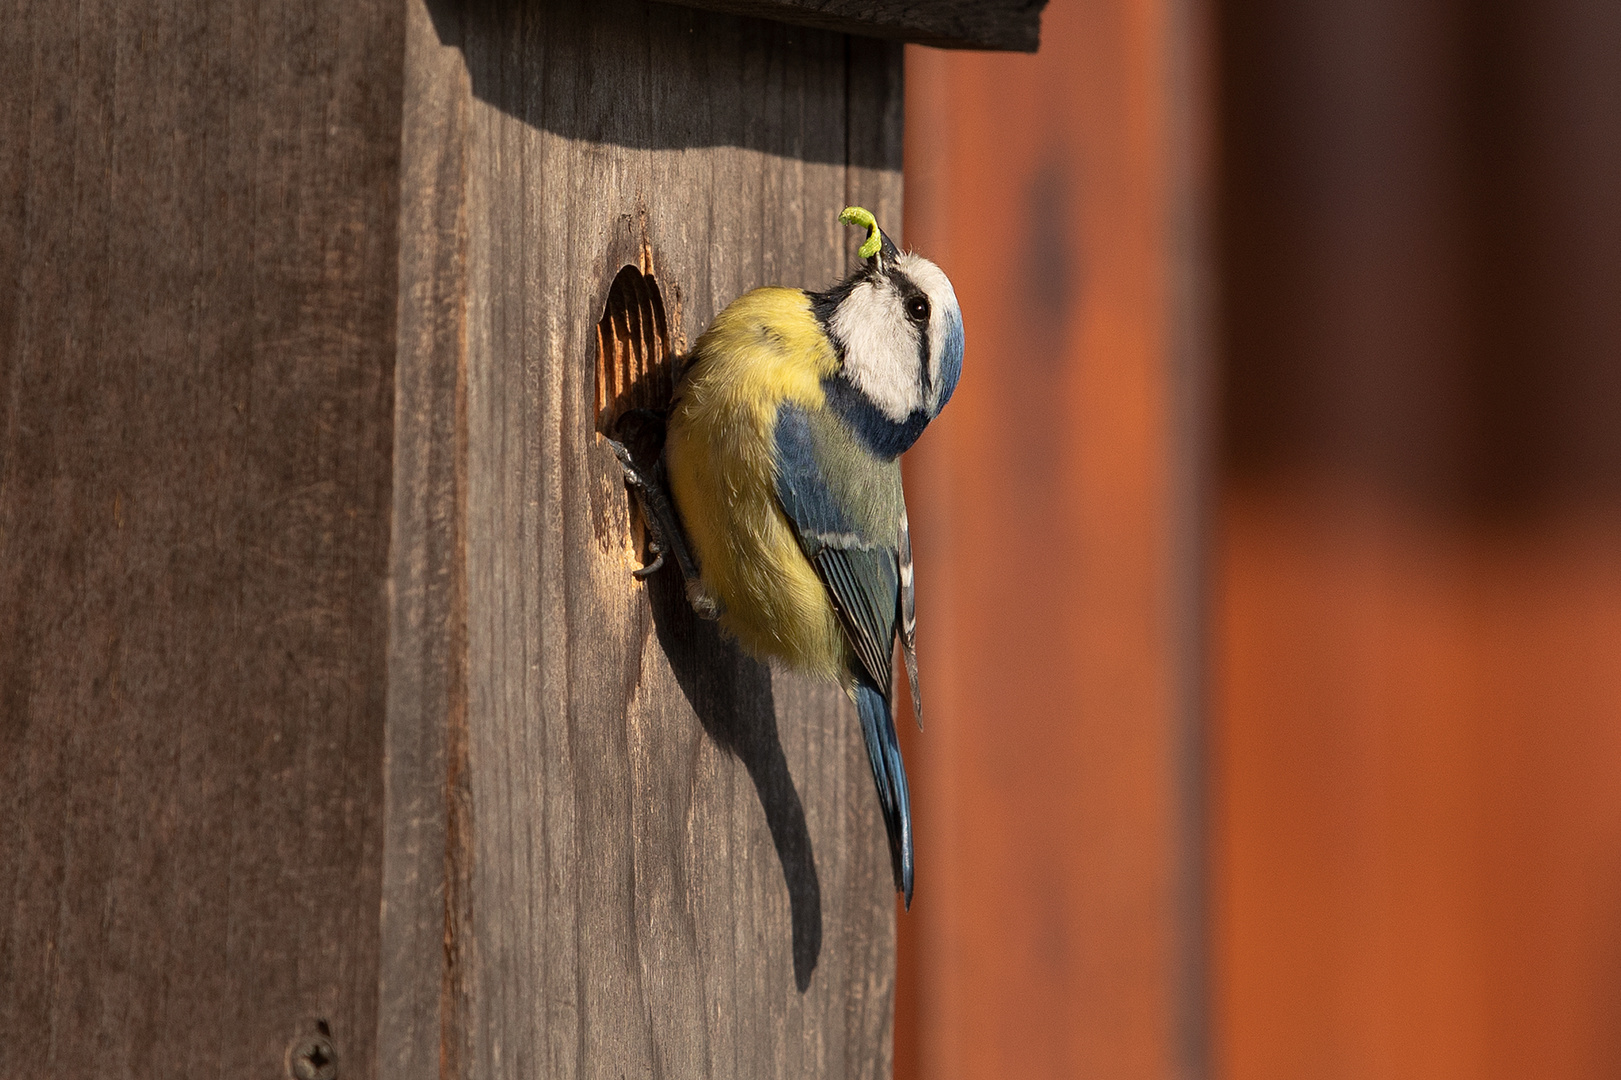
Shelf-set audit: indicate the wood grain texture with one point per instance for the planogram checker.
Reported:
(671, 860)
(1013, 25)
(197, 260)
(422, 1016)
(328, 697)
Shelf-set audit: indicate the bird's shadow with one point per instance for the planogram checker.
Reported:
(731, 694)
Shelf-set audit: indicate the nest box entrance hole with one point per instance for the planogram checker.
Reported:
(636, 372)
(635, 376)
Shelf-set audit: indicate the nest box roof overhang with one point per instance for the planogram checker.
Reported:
(1006, 25)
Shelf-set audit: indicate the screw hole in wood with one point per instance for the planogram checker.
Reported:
(312, 1058)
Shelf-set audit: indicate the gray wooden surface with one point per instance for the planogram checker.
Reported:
(197, 252)
(326, 695)
(664, 859)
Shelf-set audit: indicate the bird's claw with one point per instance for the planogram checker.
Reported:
(663, 529)
(706, 606)
(643, 572)
(633, 474)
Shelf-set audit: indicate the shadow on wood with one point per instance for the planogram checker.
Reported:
(731, 693)
(722, 67)
(630, 774)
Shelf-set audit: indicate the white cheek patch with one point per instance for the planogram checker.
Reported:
(880, 350)
(942, 300)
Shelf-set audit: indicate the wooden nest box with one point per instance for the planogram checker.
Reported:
(339, 740)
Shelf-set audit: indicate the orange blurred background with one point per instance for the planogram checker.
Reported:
(1269, 556)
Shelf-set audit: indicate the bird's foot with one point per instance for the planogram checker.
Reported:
(665, 535)
(705, 605)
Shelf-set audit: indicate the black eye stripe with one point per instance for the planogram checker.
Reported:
(910, 295)
(925, 382)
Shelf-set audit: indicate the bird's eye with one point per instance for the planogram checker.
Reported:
(917, 308)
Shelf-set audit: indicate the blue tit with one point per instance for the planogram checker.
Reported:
(782, 457)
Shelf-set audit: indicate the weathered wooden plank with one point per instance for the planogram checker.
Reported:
(196, 344)
(611, 842)
(422, 996)
(676, 861)
(957, 24)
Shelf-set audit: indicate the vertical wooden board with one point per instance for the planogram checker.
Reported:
(198, 269)
(422, 999)
(678, 867)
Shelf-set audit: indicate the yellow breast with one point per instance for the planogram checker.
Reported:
(765, 349)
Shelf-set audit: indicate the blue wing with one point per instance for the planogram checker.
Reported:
(861, 569)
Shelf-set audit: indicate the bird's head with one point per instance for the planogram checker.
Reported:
(897, 330)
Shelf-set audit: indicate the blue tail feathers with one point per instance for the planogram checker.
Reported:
(889, 774)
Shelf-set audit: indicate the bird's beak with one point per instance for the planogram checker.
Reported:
(887, 253)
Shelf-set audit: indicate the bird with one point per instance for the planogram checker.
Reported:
(779, 488)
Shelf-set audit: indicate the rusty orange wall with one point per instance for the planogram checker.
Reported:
(1417, 624)
(1055, 933)
(1414, 621)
